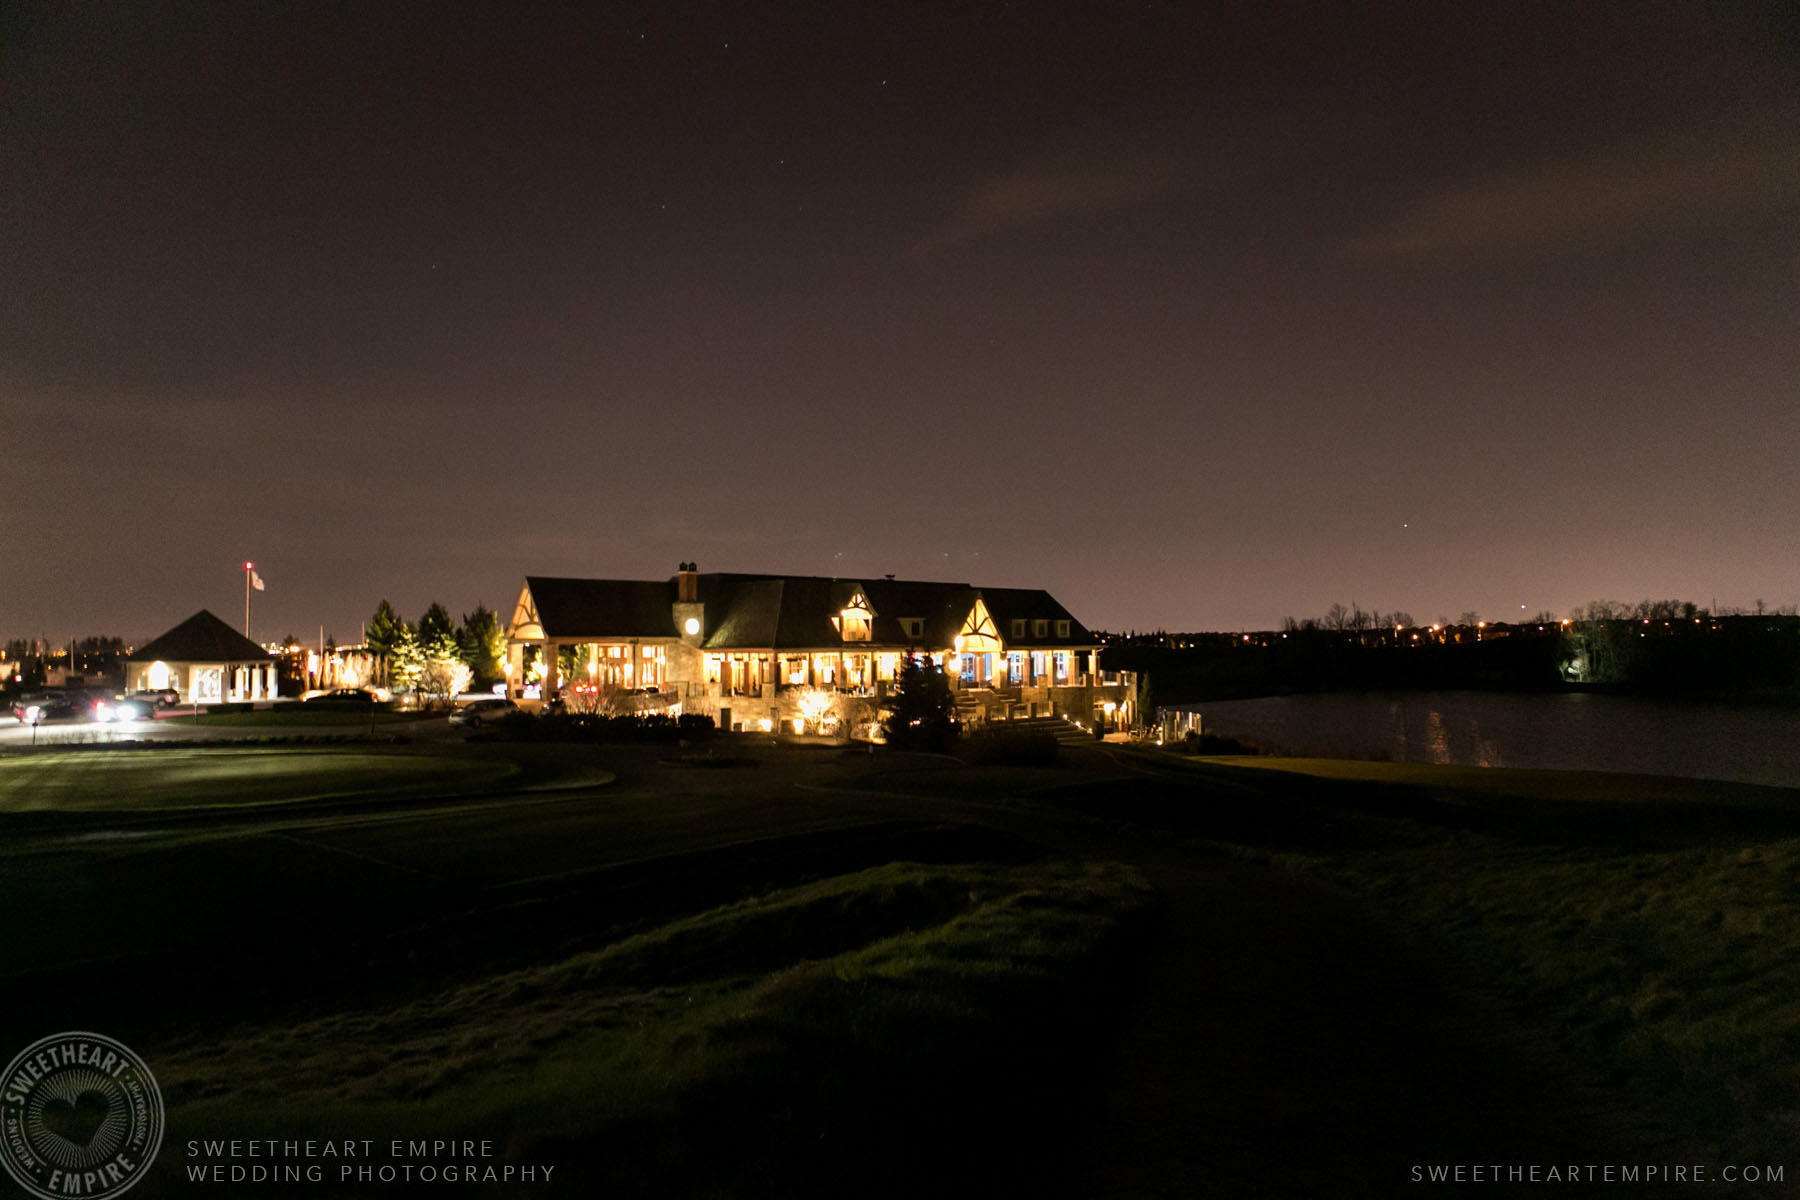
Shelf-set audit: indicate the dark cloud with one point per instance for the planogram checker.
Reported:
(1694, 182)
(1095, 176)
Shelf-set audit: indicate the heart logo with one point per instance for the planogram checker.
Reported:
(77, 1122)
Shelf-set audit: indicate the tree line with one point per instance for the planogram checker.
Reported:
(1670, 610)
(436, 656)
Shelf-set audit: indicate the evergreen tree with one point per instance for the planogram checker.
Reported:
(384, 630)
(405, 660)
(436, 623)
(921, 712)
(483, 645)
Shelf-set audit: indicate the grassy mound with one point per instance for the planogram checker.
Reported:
(1677, 972)
(858, 1035)
(1652, 921)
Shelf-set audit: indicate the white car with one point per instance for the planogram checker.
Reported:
(474, 714)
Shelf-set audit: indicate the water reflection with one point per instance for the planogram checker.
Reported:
(1578, 731)
(1437, 742)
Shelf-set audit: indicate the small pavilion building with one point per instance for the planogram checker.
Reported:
(206, 661)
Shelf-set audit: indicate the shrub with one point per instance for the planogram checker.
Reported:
(1212, 743)
(654, 728)
(998, 747)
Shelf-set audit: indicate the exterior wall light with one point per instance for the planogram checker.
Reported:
(692, 626)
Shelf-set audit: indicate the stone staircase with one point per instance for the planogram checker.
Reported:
(1063, 731)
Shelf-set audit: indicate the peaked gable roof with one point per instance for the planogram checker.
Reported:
(1034, 604)
(748, 612)
(941, 606)
(781, 612)
(202, 638)
(609, 608)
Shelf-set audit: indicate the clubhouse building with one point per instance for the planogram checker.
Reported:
(801, 652)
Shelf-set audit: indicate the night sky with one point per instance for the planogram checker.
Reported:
(1198, 315)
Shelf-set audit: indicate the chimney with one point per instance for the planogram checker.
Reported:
(687, 583)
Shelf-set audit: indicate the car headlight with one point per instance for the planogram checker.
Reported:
(32, 713)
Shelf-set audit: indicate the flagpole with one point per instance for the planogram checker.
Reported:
(247, 567)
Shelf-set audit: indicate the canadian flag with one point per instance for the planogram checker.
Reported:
(256, 581)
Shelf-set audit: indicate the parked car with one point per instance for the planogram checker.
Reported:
(158, 697)
(35, 710)
(474, 714)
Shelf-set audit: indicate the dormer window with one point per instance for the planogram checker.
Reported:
(1062, 629)
(1040, 629)
(914, 627)
(1018, 627)
(854, 620)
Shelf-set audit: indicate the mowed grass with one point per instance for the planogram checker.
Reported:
(292, 714)
(1653, 922)
(853, 1036)
(1677, 972)
(1576, 787)
(214, 777)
